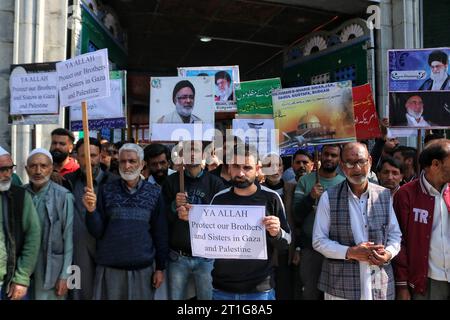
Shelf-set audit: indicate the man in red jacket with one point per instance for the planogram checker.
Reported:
(422, 268)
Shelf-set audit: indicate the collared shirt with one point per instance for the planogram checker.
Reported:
(133, 189)
(152, 180)
(69, 167)
(39, 201)
(412, 122)
(395, 190)
(359, 225)
(439, 254)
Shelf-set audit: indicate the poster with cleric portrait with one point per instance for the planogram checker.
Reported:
(419, 88)
(224, 79)
(180, 108)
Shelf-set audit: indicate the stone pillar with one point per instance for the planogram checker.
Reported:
(400, 29)
(6, 59)
(40, 33)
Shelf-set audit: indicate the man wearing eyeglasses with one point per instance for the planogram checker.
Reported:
(183, 96)
(439, 77)
(357, 231)
(20, 234)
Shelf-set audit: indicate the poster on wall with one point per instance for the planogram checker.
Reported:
(255, 97)
(107, 112)
(224, 79)
(419, 88)
(180, 108)
(319, 114)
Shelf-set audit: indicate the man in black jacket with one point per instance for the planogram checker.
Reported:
(200, 186)
(84, 245)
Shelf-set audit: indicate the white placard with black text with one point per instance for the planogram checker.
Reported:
(35, 93)
(228, 232)
(83, 78)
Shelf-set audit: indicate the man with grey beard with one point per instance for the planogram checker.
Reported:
(20, 234)
(84, 246)
(357, 232)
(129, 223)
(183, 96)
(54, 205)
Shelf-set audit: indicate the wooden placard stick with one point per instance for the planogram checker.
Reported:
(316, 163)
(181, 172)
(87, 149)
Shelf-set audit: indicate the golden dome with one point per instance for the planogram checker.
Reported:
(309, 121)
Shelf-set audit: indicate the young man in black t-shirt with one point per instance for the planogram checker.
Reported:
(250, 279)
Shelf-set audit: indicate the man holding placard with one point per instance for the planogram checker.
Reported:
(199, 188)
(250, 279)
(129, 224)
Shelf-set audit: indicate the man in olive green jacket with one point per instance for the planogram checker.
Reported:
(20, 234)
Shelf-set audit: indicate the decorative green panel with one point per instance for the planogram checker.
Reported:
(339, 63)
(94, 36)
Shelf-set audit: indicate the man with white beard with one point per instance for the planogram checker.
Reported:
(20, 234)
(357, 232)
(414, 112)
(439, 77)
(54, 205)
(129, 222)
(224, 90)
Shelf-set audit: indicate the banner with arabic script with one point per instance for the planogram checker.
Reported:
(319, 114)
(366, 118)
(255, 97)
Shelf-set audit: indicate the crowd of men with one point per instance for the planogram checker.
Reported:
(361, 225)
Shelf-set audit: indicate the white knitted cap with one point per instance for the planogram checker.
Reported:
(41, 151)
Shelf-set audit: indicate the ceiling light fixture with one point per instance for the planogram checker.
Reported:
(265, 44)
